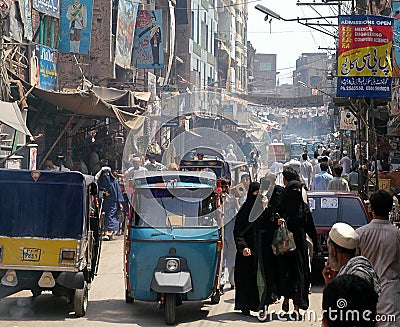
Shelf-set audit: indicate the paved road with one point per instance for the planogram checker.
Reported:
(107, 305)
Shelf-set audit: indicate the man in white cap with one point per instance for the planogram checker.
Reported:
(342, 244)
(136, 165)
(345, 162)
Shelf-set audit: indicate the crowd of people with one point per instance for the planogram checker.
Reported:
(360, 267)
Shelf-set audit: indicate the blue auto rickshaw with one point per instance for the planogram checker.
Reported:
(50, 234)
(173, 238)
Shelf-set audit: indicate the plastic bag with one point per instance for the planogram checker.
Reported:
(283, 240)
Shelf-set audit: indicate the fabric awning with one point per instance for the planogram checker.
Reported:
(10, 114)
(88, 103)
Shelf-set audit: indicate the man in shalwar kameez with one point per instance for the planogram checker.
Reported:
(380, 243)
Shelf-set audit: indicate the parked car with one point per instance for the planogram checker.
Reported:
(328, 208)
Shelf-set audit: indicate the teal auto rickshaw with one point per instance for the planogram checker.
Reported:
(173, 239)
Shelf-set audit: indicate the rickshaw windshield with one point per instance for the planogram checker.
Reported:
(160, 208)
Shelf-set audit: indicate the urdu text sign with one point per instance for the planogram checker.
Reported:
(364, 56)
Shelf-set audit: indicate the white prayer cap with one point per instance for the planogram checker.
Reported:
(344, 152)
(136, 159)
(344, 235)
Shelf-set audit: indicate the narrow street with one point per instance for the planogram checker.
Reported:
(107, 305)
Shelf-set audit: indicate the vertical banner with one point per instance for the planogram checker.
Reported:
(396, 39)
(364, 60)
(48, 7)
(26, 15)
(171, 41)
(43, 62)
(148, 50)
(126, 21)
(75, 26)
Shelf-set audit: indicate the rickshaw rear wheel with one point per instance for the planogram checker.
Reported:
(128, 298)
(216, 297)
(81, 300)
(170, 308)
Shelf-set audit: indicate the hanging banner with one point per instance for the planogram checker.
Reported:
(171, 42)
(148, 50)
(152, 86)
(364, 60)
(48, 7)
(43, 65)
(126, 21)
(26, 16)
(75, 26)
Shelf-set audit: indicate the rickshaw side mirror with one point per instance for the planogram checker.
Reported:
(93, 189)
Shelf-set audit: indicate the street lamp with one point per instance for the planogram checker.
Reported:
(303, 21)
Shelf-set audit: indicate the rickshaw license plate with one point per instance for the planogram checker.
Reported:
(29, 254)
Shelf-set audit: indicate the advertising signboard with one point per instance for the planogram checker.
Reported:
(148, 49)
(396, 40)
(48, 7)
(364, 56)
(348, 121)
(75, 26)
(44, 70)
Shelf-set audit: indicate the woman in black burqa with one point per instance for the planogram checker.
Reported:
(292, 267)
(244, 232)
(266, 226)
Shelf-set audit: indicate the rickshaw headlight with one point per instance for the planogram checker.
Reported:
(68, 254)
(172, 265)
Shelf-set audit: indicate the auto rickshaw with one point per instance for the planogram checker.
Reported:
(50, 234)
(173, 239)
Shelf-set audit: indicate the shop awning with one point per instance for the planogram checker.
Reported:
(10, 114)
(88, 103)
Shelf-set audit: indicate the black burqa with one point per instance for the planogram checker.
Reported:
(244, 232)
(293, 268)
(266, 225)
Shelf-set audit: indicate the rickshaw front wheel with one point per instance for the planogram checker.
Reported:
(128, 298)
(170, 308)
(81, 300)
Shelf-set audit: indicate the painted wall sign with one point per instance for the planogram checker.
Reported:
(75, 26)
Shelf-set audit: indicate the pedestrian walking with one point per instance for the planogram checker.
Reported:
(112, 201)
(338, 183)
(322, 179)
(380, 244)
(345, 162)
(246, 261)
(293, 267)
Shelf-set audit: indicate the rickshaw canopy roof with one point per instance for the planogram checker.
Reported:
(43, 203)
(176, 179)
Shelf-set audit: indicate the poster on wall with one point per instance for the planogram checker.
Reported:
(148, 48)
(348, 121)
(48, 7)
(75, 26)
(43, 67)
(364, 56)
(126, 22)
